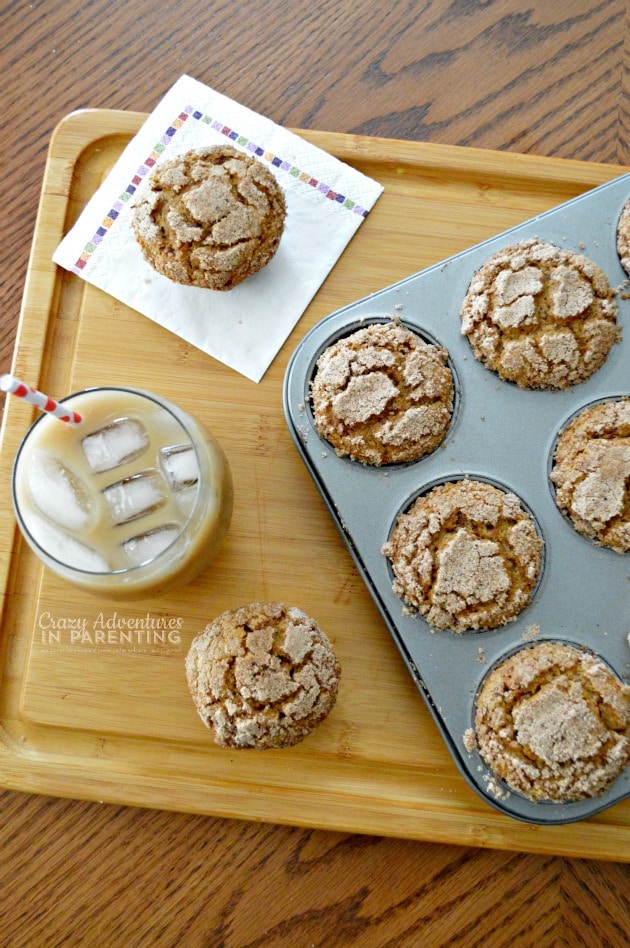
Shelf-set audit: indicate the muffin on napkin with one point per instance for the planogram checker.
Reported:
(326, 201)
(210, 217)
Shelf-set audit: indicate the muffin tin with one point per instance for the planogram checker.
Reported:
(506, 436)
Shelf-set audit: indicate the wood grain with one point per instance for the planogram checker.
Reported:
(547, 79)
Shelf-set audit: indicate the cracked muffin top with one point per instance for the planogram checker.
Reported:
(466, 555)
(210, 217)
(553, 721)
(540, 316)
(262, 676)
(382, 395)
(591, 473)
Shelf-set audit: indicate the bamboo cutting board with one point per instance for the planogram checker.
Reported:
(88, 713)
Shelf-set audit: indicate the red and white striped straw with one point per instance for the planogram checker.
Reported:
(9, 383)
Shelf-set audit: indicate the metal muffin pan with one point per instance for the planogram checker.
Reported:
(499, 433)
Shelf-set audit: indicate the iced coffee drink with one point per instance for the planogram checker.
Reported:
(131, 502)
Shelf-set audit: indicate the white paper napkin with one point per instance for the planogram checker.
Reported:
(244, 327)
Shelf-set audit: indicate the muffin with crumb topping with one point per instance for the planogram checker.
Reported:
(553, 721)
(466, 555)
(210, 217)
(591, 473)
(382, 395)
(262, 676)
(541, 316)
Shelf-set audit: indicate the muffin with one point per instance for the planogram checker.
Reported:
(210, 217)
(554, 723)
(540, 316)
(623, 237)
(382, 395)
(591, 473)
(262, 676)
(466, 556)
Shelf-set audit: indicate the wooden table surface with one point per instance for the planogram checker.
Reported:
(543, 78)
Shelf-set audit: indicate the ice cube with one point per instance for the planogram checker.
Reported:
(58, 492)
(146, 546)
(117, 443)
(65, 548)
(179, 465)
(135, 496)
(185, 499)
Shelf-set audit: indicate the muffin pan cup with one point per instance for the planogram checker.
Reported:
(502, 434)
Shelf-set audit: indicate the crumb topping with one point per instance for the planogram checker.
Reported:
(262, 676)
(623, 237)
(554, 722)
(466, 556)
(382, 395)
(210, 217)
(591, 473)
(470, 568)
(558, 724)
(540, 316)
